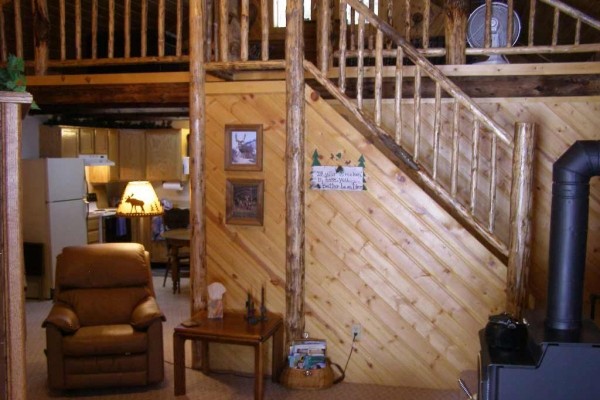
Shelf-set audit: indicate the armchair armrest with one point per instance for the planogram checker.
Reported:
(63, 317)
(145, 313)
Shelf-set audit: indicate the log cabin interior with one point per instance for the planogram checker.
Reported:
(457, 139)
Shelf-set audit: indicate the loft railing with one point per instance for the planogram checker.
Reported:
(430, 136)
(81, 33)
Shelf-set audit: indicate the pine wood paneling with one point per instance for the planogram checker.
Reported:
(387, 258)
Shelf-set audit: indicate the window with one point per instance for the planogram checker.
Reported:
(366, 3)
(279, 12)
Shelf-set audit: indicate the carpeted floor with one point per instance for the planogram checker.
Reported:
(199, 386)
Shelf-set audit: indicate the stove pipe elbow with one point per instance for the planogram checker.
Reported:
(571, 175)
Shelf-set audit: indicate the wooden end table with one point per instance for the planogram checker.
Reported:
(233, 329)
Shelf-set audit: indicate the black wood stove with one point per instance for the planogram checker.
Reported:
(556, 357)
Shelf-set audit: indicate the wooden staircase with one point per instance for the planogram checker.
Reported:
(426, 139)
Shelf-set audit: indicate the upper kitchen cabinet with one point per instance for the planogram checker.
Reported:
(165, 149)
(93, 141)
(106, 141)
(58, 141)
(132, 155)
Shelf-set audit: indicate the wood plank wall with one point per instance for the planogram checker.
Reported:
(561, 121)
(388, 258)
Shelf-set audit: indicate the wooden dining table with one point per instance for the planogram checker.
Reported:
(176, 239)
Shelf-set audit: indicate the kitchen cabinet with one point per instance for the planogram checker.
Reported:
(57, 141)
(164, 151)
(132, 155)
(106, 141)
(93, 140)
(93, 230)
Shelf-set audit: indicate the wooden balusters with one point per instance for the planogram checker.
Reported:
(361, 62)
(179, 29)
(455, 150)
(127, 28)
(94, 29)
(264, 40)
(343, 32)
(144, 28)
(161, 28)
(510, 23)
(323, 30)
(223, 27)
(407, 22)
(426, 17)
(487, 37)
(244, 27)
(399, 75)
(577, 39)
(531, 32)
(378, 76)
(78, 50)
(111, 28)
(474, 166)
(555, 26)
(492, 192)
(18, 29)
(417, 116)
(437, 128)
(63, 35)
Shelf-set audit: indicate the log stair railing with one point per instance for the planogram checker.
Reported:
(461, 190)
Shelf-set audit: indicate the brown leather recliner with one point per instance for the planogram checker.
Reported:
(105, 327)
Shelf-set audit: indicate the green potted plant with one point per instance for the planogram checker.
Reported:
(12, 77)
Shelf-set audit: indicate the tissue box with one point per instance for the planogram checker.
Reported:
(215, 308)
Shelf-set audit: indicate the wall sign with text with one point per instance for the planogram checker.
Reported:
(337, 177)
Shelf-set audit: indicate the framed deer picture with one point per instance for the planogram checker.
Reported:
(243, 147)
(244, 202)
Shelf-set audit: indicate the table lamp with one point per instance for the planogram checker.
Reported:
(139, 200)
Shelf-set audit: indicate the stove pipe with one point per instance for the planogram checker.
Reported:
(571, 175)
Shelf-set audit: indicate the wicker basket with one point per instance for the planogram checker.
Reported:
(297, 378)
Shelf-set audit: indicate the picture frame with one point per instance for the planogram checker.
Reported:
(243, 147)
(244, 202)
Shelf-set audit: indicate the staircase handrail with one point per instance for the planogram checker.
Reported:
(434, 73)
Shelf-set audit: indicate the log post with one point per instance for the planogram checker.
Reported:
(294, 185)
(323, 35)
(41, 35)
(457, 12)
(197, 163)
(12, 278)
(521, 202)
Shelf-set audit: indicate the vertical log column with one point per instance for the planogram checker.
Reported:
(41, 35)
(456, 12)
(521, 202)
(294, 185)
(323, 35)
(13, 281)
(197, 163)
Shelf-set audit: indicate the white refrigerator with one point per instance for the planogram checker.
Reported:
(54, 211)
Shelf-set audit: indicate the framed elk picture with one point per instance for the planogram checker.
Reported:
(243, 147)
(244, 202)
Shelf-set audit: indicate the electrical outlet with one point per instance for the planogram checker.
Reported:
(356, 332)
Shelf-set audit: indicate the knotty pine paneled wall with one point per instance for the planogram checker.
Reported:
(560, 122)
(388, 258)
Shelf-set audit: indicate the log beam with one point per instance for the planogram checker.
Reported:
(457, 13)
(41, 35)
(294, 186)
(521, 203)
(197, 165)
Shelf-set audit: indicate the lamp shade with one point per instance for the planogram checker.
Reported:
(139, 200)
